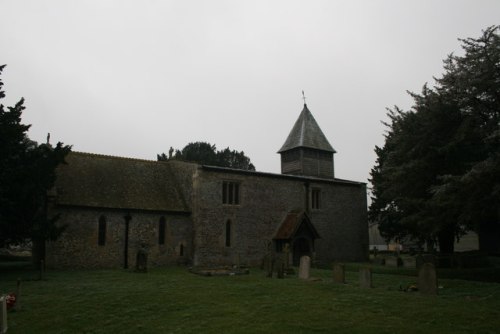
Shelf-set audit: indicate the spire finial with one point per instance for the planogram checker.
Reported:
(304, 97)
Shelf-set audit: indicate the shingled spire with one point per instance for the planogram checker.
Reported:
(306, 150)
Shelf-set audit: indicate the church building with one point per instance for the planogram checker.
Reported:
(186, 213)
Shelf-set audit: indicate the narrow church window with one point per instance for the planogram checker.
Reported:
(230, 193)
(224, 192)
(102, 231)
(230, 199)
(161, 231)
(316, 199)
(228, 233)
(181, 250)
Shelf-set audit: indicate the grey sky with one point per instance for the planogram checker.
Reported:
(132, 78)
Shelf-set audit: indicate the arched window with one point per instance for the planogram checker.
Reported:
(161, 231)
(228, 233)
(101, 239)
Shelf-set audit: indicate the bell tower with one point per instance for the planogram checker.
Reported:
(306, 151)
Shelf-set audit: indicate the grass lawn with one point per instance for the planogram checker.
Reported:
(172, 300)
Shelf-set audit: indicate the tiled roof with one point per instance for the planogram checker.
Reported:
(306, 133)
(120, 183)
(291, 224)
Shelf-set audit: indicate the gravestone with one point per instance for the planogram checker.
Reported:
(3, 314)
(365, 278)
(286, 258)
(269, 260)
(304, 267)
(425, 258)
(339, 273)
(280, 268)
(410, 262)
(393, 261)
(269, 265)
(427, 279)
(141, 264)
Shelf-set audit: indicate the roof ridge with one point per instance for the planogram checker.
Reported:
(115, 157)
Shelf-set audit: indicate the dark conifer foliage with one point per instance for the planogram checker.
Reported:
(27, 173)
(438, 174)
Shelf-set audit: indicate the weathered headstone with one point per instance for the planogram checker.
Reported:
(280, 268)
(410, 262)
(425, 258)
(393, 261)
(286, 260)
(3, 314)
(269, 265)
(339, 273)
(286, 256)
(427, 279)
(269, 261)
(141, 264)
(365, 278)
(304, 267)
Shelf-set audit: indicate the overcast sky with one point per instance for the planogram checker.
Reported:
(132, 78)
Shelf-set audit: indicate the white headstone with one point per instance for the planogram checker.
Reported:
(304, 267)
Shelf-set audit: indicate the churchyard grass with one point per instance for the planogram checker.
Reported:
(171, 300)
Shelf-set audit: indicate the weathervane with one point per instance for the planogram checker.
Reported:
(304, 97)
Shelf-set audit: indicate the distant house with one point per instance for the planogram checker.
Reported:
(183, 212)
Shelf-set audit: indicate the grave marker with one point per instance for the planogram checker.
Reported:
(304, 267)
(393, 261)
(425, 258)
(141, 265)
(427, 279)
(365, 278)
(3, 314)
(339, 273)
(410, 262)
(280, 268)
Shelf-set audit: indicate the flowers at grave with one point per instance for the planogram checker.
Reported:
(10, 300)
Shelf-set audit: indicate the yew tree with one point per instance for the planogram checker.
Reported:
(438, 174)
(27, 173)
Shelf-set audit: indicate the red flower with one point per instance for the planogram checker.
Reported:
(11, 300)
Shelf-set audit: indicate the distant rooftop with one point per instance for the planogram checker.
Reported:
(306, 133)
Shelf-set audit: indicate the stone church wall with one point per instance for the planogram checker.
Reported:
(342, 223)
(78, 246)
(264, 203)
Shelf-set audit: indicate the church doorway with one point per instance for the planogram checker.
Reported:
(301, 247)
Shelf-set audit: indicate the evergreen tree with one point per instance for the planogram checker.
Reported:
(207, 154)
(27, 172)
(437, 175)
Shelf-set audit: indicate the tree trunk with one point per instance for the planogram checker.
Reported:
(446, 239)
(489, 238)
